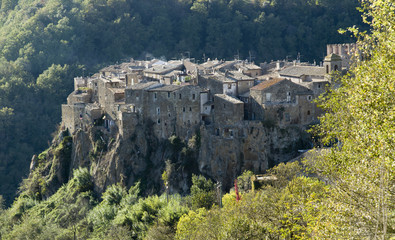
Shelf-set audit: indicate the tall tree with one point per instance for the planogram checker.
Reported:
(360, 125)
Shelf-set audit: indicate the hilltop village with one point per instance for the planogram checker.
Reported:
(232, 104)
(180, 95)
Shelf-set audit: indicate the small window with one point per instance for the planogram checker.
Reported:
(154, 95)
(168, 95)
(174, 95)
(229, 86)
(193, 96)
(190, 109)
(158, 121)
(158, 111)
(287, 117)
(224, 105)
(183, 109)
(288, 96)
(319, 85)
(309, 98)
(308, 112)
(180, 95)
(268, 97)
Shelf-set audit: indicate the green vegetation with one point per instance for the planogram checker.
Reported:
(44, 44)
(342, 192)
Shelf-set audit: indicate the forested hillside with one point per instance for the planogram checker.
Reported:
(345, 191)
(45, 43)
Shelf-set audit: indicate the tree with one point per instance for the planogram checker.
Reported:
(202, 192)
(360, 125)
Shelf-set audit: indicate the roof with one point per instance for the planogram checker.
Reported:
(210, 64)
(239, 76)
(147, 85)
(266, 84)
(221, 77)
(163, 69)
(332, 57)
(228, 98)
(117, 90)
(166, 88)
(298, 71)
(250, 67)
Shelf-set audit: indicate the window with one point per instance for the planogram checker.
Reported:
(174, 95)
(190, 109)
(168, 95)
(154, 95)
(319, 85)
(158, 121)
(287, 117)
(229, 86)
(193, 96)
(309, 97)
(224, 105)
(288, 96)
(183, 109)
(308, 112)
(268, 97)
(180, 95)
(158, 111)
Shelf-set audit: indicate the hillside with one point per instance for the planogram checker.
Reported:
(44, 44)
(344, 190)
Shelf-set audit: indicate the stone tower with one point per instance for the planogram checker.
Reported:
(332, 62)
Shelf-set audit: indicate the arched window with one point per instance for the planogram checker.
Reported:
(335, 67)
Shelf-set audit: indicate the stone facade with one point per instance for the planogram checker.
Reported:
(283, 102)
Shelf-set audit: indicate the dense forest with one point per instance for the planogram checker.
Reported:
(45, 43)
(342, 192)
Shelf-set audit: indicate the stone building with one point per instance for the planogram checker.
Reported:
(283, 102)
(345, 51)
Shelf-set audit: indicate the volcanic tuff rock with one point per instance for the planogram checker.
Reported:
(142, 155)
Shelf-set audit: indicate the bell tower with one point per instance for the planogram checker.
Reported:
(332, 62)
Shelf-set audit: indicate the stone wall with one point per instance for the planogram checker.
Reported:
(227, 110)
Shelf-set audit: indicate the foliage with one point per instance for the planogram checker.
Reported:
(44, 44)
(360, 124)
(202, 192)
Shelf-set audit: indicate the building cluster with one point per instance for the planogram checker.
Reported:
(177, 96)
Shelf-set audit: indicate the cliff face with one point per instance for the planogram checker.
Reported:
(141, 155)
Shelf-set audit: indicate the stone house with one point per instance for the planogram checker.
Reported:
(172, 108)
(250, 69)
(160, 72)
(283, 102)
(228, 113)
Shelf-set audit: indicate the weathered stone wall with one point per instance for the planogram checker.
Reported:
(71, 116)
(209, 82)
(227, 110)
(244, 86)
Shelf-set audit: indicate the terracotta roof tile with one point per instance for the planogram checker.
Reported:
(266, 84)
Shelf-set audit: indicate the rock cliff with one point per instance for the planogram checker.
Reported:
(143, 156)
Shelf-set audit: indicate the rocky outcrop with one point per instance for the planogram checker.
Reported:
(143, 156)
